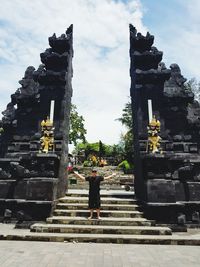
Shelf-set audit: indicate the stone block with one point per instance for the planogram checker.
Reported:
(155, 166)
(34, 147)
(41, 189)
(179, 147)
(195, 217)
(177, 138)
(186, 148)
(180, 191)
(165, 191)
(187, 137)
(181, 219)
(193, 148)
(58, 147)
(16, 137)
(11, 148)
(143, 145)
(194, 191)
(2, 207)
(37, 210)
(185, 172)
(24, 147)
(20, 191)
(169, 146)
(6, 188)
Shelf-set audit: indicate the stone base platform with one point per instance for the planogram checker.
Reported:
(32, 209)
(191, 238)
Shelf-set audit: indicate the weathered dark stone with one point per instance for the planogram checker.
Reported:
(54, 61)
(195, 217)
(26, 176)
(19, 170)
(181, 219)
(179, 191)
(41, 189)
(28, 90)
(6, 188)
(8, 114)
(20, 191)
(174, 175)
(142, 43)
(161, 191)
(4, 174)
(194, 191)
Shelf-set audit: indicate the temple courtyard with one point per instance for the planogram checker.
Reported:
(36, 254)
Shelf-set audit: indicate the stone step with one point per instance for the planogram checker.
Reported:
(100, 229)
(83, 186)
(106, 238)
(103, 206)
(104, 213)
(104, 200)
(86, 187)
(104, 221)
(104, 193)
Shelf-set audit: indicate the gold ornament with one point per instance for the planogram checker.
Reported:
(153, 137)
(47, 139)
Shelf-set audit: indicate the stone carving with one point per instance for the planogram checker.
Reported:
(8, 114)
(24, 172)
(19, 170)
(168, 182)
(28, 88)
(4, 174)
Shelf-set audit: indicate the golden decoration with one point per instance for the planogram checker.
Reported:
(153, 137)
(47, 139)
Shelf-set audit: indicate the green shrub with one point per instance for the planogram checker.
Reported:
(125, 165)
(87, 163)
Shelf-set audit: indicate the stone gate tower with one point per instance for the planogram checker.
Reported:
(168, 183)
(30, 181)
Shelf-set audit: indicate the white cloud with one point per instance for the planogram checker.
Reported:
(101, 50)
(101, 53)
(178, 35)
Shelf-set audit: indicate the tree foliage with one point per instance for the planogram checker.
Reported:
(100, 150)
(126, 118)
(127, 138)
(194, 86)
(77, 129)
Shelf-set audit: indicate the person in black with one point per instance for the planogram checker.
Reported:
(94, 202)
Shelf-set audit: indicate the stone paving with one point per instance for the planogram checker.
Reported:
(42, 254)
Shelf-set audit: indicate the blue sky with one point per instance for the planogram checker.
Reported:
(101, 48)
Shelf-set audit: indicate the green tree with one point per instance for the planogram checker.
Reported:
(194, 86)
(100, 150)
(77, 130)
(126, 118)
(127, 138)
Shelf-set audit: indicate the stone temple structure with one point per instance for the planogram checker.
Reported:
(30, 181)
(167, 183)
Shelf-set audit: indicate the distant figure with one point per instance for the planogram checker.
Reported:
(94, 201)
(70, 167)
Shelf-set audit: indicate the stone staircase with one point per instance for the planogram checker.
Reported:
(122, 221)
(112, 184)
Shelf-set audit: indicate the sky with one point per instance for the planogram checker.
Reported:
(101, 81)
